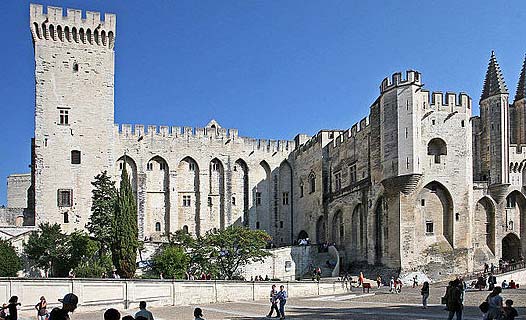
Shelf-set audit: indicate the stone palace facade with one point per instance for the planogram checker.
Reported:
(418, 184)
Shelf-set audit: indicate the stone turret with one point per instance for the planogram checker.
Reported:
(518, 111)
(495, 126)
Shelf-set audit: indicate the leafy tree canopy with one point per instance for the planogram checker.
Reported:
(172, 261)
(11, 262)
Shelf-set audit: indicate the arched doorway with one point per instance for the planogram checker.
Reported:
(359, 233)
(303, 235)
(511, 247)
(320, 230)
(485, 224)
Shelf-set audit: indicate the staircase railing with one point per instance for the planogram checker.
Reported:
(496, 270)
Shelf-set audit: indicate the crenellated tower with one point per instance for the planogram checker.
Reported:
(74, 111)
(494, 151)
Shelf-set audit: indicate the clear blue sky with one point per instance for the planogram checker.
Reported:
(272, 69)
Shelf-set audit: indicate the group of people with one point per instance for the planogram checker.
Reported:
(278, 298)
(395, 285)
(260, 278)
(70, 303)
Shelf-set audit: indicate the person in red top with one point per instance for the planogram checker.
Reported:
(360, 279)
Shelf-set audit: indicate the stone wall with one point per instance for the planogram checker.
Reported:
(124, 294)
(17, 190)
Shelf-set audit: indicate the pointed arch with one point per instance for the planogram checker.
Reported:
(283, 218)
(131, 168)
(59, 33)
(103, 37)
(157, 197)
(485, 224)
(52, 32)
(110, 39)
(511, 247)
(262, 196)
(338, 228)
(36, 27)
(516, 215)
(216, 196)
(75, 34)
(67, 34)
(239, 213)
(188, 188)
(437, 211)
(89, 37)
(82, 37)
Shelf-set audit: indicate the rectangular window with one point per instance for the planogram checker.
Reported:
(352, 173)
(75, 157)
(149, 166)
(301, 191)
(191, 166)
(215, 166)
(429, 227)
(285, 198)
(162, 166)
(258, 198)
(65, 197)
(209, 201)
(281, 224)
(63, 116)
(337, 181)
(187, 201)
(233, 201)
(423, 202)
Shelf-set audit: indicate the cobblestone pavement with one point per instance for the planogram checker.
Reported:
(379, 304)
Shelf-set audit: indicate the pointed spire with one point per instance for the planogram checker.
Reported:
(521, 86)
(494, 83)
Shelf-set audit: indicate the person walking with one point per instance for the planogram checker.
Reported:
(391, 285)
(41, 308)
(282, 297)
(69, 304)
(495, 304)
(143, 312)
(360, 279)
(12, 308)
(379, 281)
(273, 302)
(454, 300)
(425, 294)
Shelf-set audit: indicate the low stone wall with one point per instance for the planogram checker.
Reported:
(97, 294)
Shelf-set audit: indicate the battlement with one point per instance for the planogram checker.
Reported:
(449, 101)
(411, 77)
(72, 28)
(140, 132)
(355, 130)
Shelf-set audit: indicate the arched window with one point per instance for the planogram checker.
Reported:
(52, 31)
(37, 30)
(185, 229)
(312, 182)
(66, 217)
(81, 35)
(59, 33)
(66, 33)
(103, 36)
(96, 34)
(157, 226)
(110, 39)
(44, 31)
(75, 34)
(437, 147)
(88, 35)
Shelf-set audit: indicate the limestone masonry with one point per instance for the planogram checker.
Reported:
(419, 184)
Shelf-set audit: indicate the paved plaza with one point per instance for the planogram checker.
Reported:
(379, 304)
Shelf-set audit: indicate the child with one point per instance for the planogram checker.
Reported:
(509, 312)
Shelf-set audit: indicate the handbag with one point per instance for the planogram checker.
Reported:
(484, 307)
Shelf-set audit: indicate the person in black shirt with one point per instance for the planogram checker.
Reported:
(69, 304)
(13, 311)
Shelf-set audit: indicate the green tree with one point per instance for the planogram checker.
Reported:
(11, 262)
(47, 249)
(172, 261)
(198, 253)
(103, 198)
(125, 243)
(235, 247)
